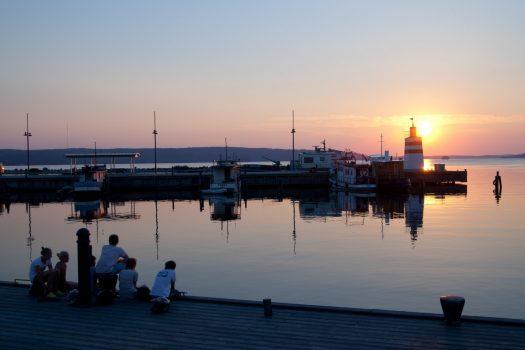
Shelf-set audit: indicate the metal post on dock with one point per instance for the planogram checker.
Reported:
(267, 304)
(452, 306)
(84, 262)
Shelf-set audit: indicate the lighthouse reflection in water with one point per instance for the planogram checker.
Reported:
(360, 206)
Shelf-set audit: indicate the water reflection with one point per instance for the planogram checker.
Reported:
(224, 209)
(414, 214)
(90, 211)
(30, 237)
(319, 206)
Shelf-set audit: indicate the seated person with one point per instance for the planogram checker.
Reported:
(164, 284)
(109, 257)
(128, 280)
(41, 274)
(62, 285)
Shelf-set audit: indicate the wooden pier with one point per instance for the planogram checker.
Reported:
(164, 181)
(207, 323)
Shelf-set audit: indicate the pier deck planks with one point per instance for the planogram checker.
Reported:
(26, 323)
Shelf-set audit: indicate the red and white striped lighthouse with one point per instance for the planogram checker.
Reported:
(413, 160)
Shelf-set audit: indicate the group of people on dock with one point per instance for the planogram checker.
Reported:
(114, 265)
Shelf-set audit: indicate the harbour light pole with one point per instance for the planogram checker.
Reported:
(155, 133)
(293, 141)
(27, 134)
(381, 141)
(95, 159)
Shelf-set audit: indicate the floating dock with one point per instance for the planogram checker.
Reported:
(209, 323)
(432, 177)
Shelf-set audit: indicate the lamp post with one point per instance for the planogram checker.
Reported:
(27, 135)
(292, 167)
(155, 133)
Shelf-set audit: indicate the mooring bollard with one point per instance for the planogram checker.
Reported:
(84, 262)
(452, 306)
(267, 304)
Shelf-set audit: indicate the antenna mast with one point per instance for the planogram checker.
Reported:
(155, 133)
(27, 134)
(293, 140)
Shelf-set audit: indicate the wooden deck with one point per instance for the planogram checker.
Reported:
(202, 323)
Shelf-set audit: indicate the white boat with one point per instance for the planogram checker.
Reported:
(352, 173)
(90, 182)
(225, 178)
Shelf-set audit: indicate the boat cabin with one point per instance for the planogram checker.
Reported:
(225, 178)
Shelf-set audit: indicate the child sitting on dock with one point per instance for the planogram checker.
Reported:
(62, 285)
(41, 274)
(128, 280)
(109, 257)
(164, 284)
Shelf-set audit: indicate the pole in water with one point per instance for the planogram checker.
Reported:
(267, 304)
(498, 186)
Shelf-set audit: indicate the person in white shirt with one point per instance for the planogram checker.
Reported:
(109, 256)
(128, 280)
(164, 284)
(41, 274)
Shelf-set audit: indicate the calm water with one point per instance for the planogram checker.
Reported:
(309, 247)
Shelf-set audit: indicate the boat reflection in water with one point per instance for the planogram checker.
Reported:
(224, 209)
(90, 211)
(360, 206)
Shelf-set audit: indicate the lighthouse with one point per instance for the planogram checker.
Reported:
(413, 160)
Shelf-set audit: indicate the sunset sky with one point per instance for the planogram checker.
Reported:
(236, 69)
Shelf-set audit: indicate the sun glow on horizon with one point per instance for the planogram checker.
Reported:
(424, 128)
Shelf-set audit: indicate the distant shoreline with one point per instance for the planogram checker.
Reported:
(17, 157)
(495, 156)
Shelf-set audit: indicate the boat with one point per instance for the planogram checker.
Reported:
(225, 178)
(91, 181)
(352, 173)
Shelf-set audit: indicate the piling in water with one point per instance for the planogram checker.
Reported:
(267, 304)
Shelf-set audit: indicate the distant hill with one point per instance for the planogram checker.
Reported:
(176, 155)
(164, 155)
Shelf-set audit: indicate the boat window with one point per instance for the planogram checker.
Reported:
(308, 159)
(321, 159)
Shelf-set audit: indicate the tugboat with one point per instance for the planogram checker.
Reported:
(91, 182)
(351, 175)
(225, 178)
